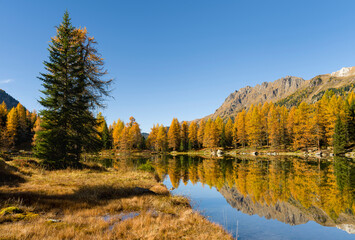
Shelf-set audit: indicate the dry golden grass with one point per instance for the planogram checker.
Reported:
(88, 204)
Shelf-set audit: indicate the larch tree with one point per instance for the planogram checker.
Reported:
(201, 132)
(274, 127)
(116, 133)
(184, 136)
(211, 135)
(218, 122)
(303, 129)
(174, 135)
(241, 135)
(23, 124)
(193, 141)
(283, 115)
(228, 130)
(125, 142)
(12, 125)
(264, 112)
(254, 126)
(319, 122)
(152, 137)
(73, 88)
(161, 139)
(135, 133)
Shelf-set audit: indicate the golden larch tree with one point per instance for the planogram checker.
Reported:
(303, 128)
(116, 133)
(211, 135)
(228, 131)
(201, 132)
(241, 135)
(254, 126)
(219, 126)
(152, 137)
(23, 131)
(161, 139)
(264, 111)
(274, 126)
(184, 136)
(193, 130)
(12, 125)
(174, 135)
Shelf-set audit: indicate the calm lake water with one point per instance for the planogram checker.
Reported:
(265, 198)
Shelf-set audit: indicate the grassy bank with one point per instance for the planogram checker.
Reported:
(94, 203)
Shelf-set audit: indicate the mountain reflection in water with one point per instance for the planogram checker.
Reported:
(291, 190)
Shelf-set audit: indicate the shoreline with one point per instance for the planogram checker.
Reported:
(95, 203)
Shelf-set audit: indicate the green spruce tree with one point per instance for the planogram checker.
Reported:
(339, 139)
(72, 89)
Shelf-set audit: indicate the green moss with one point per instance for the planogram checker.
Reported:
(10, 210)
(14, 214)
(147, 167)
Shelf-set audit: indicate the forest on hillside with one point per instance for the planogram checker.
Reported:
(328, 122)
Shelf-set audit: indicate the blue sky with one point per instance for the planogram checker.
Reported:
(179, 58)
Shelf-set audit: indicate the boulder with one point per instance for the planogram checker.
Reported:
(220, 153)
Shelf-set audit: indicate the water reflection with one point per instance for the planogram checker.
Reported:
(307, 199)
(293, 190)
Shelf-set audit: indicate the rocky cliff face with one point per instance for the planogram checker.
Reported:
(10, 101)
(291, 212)
(288, 91)
(245, 97)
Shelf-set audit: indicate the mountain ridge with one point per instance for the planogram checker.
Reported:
(10, 101)
(288, 91)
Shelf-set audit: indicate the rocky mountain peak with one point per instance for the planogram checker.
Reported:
(344, 72)
(288, 91)
(266, 91)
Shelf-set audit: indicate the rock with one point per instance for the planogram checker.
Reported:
(160, 189)
(220, 153)
(255, 153)
(54, 220)
(319, 154)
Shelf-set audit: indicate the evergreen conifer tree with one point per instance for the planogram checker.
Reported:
(339, 138)
(72, 89)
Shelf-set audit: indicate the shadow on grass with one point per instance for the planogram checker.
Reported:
(9, 176)
(84, 197)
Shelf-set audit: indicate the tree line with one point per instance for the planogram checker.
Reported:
(327, 122)
(17, 127)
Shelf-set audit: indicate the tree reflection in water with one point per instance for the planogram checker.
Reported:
(292, 190)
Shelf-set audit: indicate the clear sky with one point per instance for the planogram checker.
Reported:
(179, 58)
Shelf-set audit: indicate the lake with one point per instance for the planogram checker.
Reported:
(267, 198)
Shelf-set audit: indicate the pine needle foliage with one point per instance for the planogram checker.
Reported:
(72, 90)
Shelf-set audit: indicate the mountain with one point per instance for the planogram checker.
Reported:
(288, 91)
(10, 101)
(291, 212)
